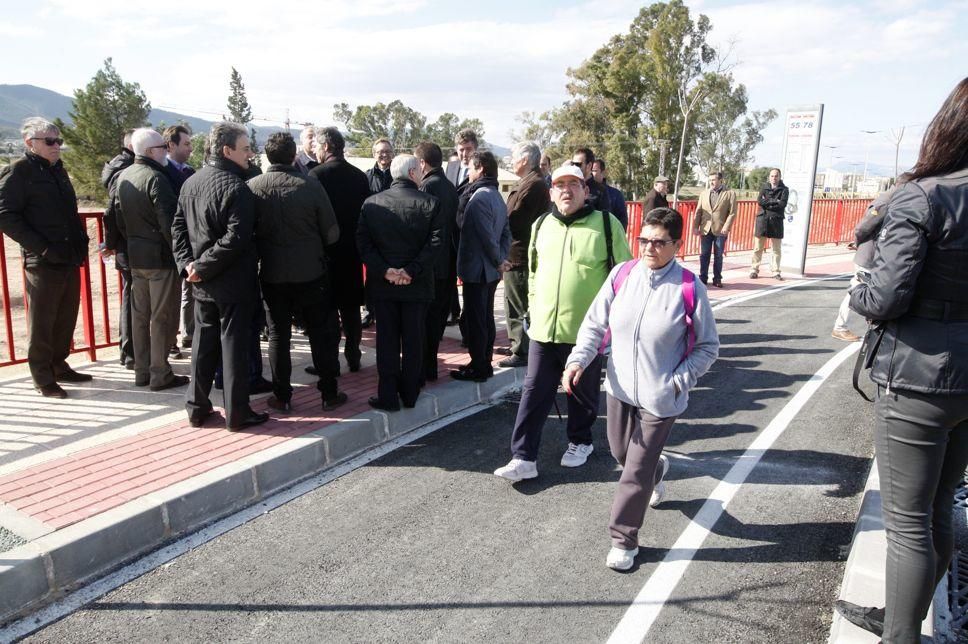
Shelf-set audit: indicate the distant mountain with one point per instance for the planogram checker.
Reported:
(17, 102)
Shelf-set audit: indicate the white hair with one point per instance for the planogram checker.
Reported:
(36, 125)
(527, 150)
(401, 166)
(144, 138)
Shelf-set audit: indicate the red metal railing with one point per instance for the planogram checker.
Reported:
(832, 222)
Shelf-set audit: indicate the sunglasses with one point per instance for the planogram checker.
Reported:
(656, 243)
(48, 140)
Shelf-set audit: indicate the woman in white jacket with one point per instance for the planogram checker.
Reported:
(663, 338)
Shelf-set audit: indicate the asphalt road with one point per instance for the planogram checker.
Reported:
(425, 544)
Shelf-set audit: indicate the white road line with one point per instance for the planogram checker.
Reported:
(640, 616)
(101, 587)
(770, 290)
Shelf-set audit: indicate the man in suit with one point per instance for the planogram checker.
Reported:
(306, 156)
(215, 251)
(714, 217)
(399, 236)
(347, 188)
(379, 175)
(458, 173)
(484, 245)
(146, 202)
(434, 182)
(179, 141)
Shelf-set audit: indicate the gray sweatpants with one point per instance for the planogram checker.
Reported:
(922, 450)
(154, 319)
(636, 439)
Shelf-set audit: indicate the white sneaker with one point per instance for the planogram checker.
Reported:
(576, 455)
(621, 559)
(517, 470)
(658, 492)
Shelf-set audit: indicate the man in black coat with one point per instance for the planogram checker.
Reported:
(458, 173)
(38, 210)
(116, 245)
(295, 221)
(347, 188)
(434, 182)
(378, 177)
(399, 237)
(147, 203)
(769, 224)
(214, 249)
(583, 158)
(656, 198)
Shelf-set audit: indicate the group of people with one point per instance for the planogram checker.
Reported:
(242, 249)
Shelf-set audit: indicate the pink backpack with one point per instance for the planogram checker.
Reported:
(688, 300)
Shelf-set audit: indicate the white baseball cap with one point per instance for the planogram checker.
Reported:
(567, 170)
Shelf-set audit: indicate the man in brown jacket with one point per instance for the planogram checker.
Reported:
(528, 200)
(714, 216)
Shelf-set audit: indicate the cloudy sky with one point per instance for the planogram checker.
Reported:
(875, 65)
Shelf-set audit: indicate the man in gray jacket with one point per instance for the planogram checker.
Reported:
(294, 223)
(482, 256)
(146, 202)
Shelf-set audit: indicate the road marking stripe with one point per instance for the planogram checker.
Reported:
(76, 600)
(645, 608)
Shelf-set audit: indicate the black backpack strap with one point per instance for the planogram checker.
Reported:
(607, 226)
(534, 244)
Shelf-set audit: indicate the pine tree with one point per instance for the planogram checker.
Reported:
(239, 109)
(101, 113)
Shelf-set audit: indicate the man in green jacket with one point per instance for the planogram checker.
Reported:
(571, 252)
(146, 203)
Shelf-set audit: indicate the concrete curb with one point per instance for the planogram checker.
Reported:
(53, 564)
(864, 573)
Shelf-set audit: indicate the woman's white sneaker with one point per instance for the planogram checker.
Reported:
(658, 492)
(576, 455)
(621, 559)
(517, 470)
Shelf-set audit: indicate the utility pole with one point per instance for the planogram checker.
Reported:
(663, 148)
(897, 135)
(867, 150)
(685, 109)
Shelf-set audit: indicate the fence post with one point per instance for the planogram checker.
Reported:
(87, 310)
(7, 309)
(838, 221)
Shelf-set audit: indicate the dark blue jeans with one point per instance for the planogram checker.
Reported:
(708, 243)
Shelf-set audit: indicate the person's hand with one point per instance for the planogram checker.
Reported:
(851, 245)
(504, 267)
(695, 231)
(571, 376)
(190, 274)
(106, 252)
(724, 234)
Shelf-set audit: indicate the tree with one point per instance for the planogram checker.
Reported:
(403, 126)
(197, 160)
(757, 177)
(238, 104)
(725, 135)
(100, 114)
(239, 109)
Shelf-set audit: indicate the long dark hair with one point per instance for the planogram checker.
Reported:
(945, 146)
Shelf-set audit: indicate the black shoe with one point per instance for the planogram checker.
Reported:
(251, 420)
(869, 618)
(186, 342)
(513, 361)
(129, 365)
(177, 381)
(353, 364)
(141, 383)
(335, 401)
(503, 351)
(718, 283)
(174, 352)
(367, 321)
(72, 376)
(452, 322)
(376, 404)
(261, 386)
(471, 375)
(279, 405)
(312, 371)
(53, 390)
(199, 420)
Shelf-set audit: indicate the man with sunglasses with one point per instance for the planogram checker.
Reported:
(568, 261)
(38, 210)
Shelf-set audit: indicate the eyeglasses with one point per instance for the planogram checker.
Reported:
(656, 243)
(48, 140)
(569, 185)
(157, 147)
(577, 164)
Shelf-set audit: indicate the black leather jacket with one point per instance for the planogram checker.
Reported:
(214, 227)
(918, 288)
(38, 210)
